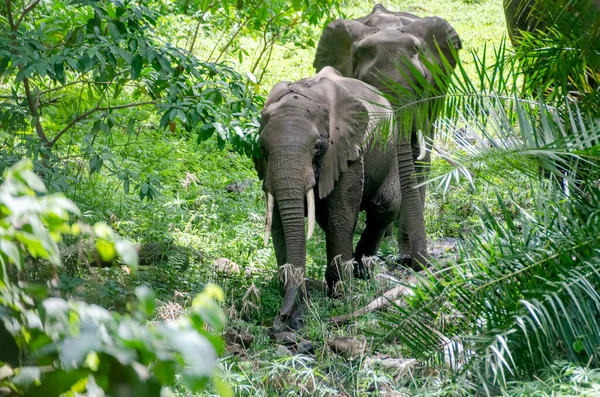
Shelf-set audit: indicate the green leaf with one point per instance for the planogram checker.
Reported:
(212, 315)
(222, 387)
(136, 66)
(225, 5)
(96, 126)
(33, 181)
(10, 352)
(578, 346)
(197, 352)
(127, 253)
(9, 249)
(297, 4)
(165, 372)
(95, 164)
(27, 377)
(131, 125)
(74, 351)
(114, 32)
(106, 249)
(147, 300)
(4, 61)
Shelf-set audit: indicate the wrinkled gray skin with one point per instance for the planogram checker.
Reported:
(314, 135)
(374, 49)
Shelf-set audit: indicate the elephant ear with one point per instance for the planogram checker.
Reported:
(347, 126)
(436, 32)
(335, 45)
(260, 163)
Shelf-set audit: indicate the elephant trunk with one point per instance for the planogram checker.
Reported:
(290, 202)
(310, 205)
(290, 179)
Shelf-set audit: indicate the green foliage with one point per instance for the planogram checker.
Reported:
(52, 346)
(79, 69)
(266, 23)
(525, 291)
(557, 47)
(562, 379)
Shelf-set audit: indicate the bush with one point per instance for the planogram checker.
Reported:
(52, 346)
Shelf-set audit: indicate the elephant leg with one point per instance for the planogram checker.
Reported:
(403, 240)
(382, 209)
(343, 205)
(412, 219)
(370, 239)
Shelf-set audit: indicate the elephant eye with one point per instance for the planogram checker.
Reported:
(318, 146)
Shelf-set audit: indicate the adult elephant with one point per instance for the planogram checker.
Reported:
(317, 162)
(389, 46)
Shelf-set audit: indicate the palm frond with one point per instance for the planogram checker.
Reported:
(525, 292)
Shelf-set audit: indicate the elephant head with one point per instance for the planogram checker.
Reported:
(310, 131)
(378, 47)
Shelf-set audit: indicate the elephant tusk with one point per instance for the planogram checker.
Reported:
(310, 203)
(269, 220)
(422, 148)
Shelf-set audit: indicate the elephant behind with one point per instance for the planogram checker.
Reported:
(385, 47)
(317, 162)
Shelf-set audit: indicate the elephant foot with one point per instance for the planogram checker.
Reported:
(291, 323)
(333, 291)
(405, 260)
(408, 261)
(419, 262)
(294, 343)
(290, 317)
(361, 271)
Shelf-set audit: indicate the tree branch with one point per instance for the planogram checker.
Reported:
(98, 109)
(239, 29)
(259, 57)
(11, 21)
(33, 108)
(26, 10)
(31, 102)
(198, 27)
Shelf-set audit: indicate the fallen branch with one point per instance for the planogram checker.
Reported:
(382, 302)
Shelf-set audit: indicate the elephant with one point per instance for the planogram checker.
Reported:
(398, 47)
(319, 161)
